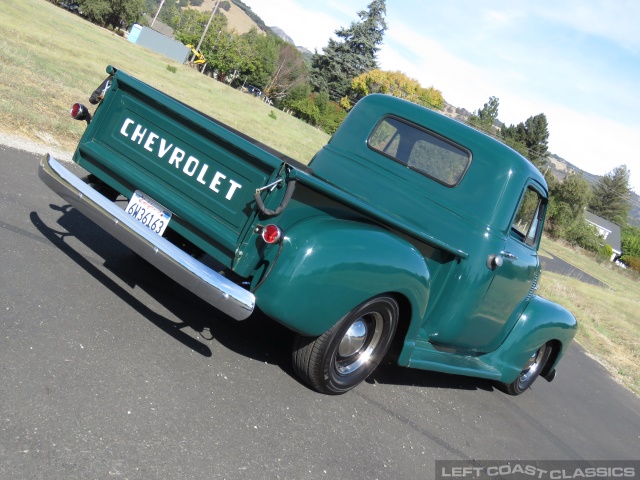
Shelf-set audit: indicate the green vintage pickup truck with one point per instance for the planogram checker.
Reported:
(408, 231)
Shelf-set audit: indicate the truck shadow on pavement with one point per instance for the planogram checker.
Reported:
(388, 373)
(189, 319)
(115, 255)
(258, 337)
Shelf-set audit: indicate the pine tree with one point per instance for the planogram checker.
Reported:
(612, 196)
(532, 136)
(484, 118)
(353, 54)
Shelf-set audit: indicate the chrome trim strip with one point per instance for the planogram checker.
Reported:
(209, 285)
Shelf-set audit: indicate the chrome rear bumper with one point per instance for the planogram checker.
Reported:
(209, 285)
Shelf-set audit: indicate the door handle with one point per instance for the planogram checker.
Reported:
(508, 255)
(495, 260)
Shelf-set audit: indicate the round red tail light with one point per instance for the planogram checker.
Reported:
(76, 109)
(79, 111)
(271, 234)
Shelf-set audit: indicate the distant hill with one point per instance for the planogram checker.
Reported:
(237, 19)
(241, 18)
(281, 33)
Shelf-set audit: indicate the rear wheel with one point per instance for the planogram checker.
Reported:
(529, 373)
(341, 358)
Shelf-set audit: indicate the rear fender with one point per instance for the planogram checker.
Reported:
(541, 322)
(329, 266)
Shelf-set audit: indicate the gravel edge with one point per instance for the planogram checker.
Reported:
(31, 146)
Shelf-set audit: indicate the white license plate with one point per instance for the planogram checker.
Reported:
(148, 212)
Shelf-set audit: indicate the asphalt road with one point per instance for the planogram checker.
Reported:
(557, 265)
(110, 370)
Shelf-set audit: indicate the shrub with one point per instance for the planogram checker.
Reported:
(632, 262)
(605, 252)
(584, 235)
(559, 218)
(172, 69)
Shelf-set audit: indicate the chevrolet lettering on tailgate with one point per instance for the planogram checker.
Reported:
(150, 141)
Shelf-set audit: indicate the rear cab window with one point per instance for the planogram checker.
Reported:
(420, 150)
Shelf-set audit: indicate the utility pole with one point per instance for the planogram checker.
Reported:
(213, 12)
(157, 13)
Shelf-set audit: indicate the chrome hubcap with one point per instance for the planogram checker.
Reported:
(359, 343)
(533, 365)
(354, 339)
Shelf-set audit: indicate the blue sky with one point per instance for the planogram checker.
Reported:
(576, 61)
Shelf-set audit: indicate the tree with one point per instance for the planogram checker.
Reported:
(230, 55)
(97, 11)
(126, 12)
(396, 84)
(259, 57)
(169, 13)
(612, 196)
(584, 235)
(518, 145)
(533, 135)
(290, 72)
(315, 108)
(631, 241)
(331, 114)
(189, 25)
(353, 54)
(631, 247)
(485, 117)
(118, 13)
(432, 98)
(567, 204)
(575, 191)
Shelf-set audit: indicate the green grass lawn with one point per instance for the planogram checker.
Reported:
(50, 58)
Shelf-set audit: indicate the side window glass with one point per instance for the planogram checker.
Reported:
(527, 221)
(420, 150)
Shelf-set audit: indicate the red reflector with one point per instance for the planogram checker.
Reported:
(271, 234)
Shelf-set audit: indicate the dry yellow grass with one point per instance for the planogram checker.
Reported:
(50, 58)
(237, 19)
(608, 322)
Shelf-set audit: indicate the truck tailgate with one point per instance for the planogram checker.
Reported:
(201, 170)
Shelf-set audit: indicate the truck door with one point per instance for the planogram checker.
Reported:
(516, 270)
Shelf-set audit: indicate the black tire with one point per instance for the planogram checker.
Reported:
(341, 358)
(529, 373)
